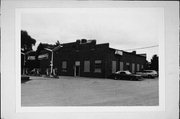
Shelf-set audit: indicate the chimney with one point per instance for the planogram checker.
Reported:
(78, 41)
(133, 52)
(93, 42)
(83, 41)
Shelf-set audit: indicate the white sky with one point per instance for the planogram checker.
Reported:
(123, 28)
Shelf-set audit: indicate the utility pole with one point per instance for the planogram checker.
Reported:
(51, 63)
(52, 56)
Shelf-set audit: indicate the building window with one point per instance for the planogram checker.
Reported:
(137, 67)
(86, 66)
(113, 66)
(64, 66)
(133, 67)
(97, 61)
(97, 70)
(121, 66)
(128, 66)
(142, 67)
(97, 66)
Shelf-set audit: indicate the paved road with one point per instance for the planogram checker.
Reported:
(78, 91)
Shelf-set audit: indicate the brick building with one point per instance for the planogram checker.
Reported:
(87, 59)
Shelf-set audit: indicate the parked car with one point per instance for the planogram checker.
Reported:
(148, 73)
(126, 75)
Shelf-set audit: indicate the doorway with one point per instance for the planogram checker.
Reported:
(77, 68)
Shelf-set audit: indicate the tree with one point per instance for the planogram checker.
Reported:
(40, 47)
(147, 65)
(57, 43)
(154, 63)
(26, 41)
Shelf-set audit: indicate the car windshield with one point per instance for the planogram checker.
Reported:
(123, 72)
(127, 72)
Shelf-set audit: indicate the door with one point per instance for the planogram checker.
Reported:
(77, 73)
(77, 68)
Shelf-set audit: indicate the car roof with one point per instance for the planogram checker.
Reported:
(149, 70)
(124, 71)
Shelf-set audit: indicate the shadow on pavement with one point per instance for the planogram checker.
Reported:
(25, 79)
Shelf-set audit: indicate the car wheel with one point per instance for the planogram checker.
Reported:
(131, 79)
(115, 78)
(139, 79)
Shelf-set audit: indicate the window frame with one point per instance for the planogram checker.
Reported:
(64, 69)
(98, 66)
(87, 69)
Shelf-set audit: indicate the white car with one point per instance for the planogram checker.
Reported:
(126, 75)
(148, 73)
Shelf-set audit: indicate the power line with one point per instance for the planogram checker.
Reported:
(143, 48)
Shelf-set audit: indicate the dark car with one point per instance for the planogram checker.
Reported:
(126, 75)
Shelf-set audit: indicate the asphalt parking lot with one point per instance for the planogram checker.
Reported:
(80, 91)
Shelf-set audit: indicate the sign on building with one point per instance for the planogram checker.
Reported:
(118, 52)
(31, 58)
(43, 56)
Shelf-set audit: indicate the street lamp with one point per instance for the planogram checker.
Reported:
(51, 59)
(52, 52)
